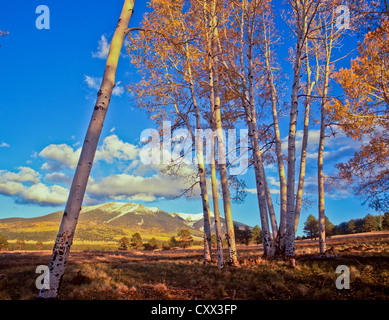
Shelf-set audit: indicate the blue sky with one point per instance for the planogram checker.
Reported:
(48, 84)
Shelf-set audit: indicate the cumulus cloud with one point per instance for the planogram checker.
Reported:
(102, 48)
(132, 187)
(59, 177)
(44, 195)
(25, 174)
(114, 148)
(26, 185)
(59, 156)
(14, 184)
(4, 145)
(95, 83)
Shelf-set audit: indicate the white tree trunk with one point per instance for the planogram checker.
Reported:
(290, 203)
(233, 258)
(206, 213)
(279, 153)
(266, 34)
(320, 173)
(270, 208)
(77, 191)
(200, 158)
(303, 157)
(215, 198)
(216, 211)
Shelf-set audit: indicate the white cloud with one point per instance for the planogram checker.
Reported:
(102, 49)
(59, 177)
(59, 156)
(10, 188)
(28, 186)
(133, 187)
(4, 145)
(95, 83)
(44, 195)
(11, 184)
(25, 174)
(114, 148)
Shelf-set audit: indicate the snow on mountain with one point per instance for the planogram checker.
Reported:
(190, 218)
(122, 210)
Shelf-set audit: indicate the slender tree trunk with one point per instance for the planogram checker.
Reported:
(248, 102)
(320, 178)
(279, 154)
(233, 258)
(260, 177)
(218, 229)
(303, 157)
(206, 212)
(200, 158)
(320, 173)
(77, 191)
(290, 204)
(272, 214)
(215, 198)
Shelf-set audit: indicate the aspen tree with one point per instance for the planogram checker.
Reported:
(221, 144)
(166, 33)
(267, 39)
(304, 12)
(329, 35)
(68, 225)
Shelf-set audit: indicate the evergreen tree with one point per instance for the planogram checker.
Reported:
(385, 221)
(136, 241)
(256, 234)
(329, 227)
(124, 243)
(311, 227)
(173, 243)
(369, 223)
(351, 228)
(185, 238)
(151, 245)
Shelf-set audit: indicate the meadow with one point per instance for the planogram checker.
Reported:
(181, 275)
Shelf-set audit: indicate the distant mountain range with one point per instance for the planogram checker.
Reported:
(109, 221)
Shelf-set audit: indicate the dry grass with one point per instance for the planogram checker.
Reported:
(180, 274)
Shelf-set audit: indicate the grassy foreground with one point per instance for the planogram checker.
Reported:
(180, 274)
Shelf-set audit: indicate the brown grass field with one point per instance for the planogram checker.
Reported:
(181, 275)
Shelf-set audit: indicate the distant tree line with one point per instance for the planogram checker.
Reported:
(369, 223)
(184, 239)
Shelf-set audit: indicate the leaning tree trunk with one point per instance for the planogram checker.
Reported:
(303, 157)
(280, 157)
(215, 198)
(320, 173)
(216, 211)
(233, 257)
(290, 203)
(77, 191)
(199, 154)
(272, 214)
(260, 176)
